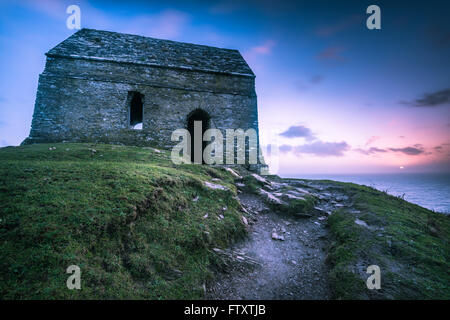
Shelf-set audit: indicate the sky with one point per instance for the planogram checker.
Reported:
(333, 96)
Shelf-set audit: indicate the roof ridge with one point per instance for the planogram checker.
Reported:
(131, 48)
(157, 39)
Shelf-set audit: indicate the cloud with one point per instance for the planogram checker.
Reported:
(370, 151)
(344, 24)
(371, 140)
(323, 149)
(417, 149)
(332, 54)
(433, 99)
(265, 48)
(285, 148)
(410, 151)
(439, 149)
(299, 131)
(314, 80)
(253, 54)
(442, 147)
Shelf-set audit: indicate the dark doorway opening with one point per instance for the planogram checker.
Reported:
(203, 117)
(136, 110)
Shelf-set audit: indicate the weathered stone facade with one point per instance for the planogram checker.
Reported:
(90, 78)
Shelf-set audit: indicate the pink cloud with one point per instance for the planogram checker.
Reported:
(253, 54)
(265, 48)
(371, 140)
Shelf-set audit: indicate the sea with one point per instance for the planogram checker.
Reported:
(429, 190)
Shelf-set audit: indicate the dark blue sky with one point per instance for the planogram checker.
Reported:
(367, 97)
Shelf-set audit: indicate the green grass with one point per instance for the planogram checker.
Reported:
(124, 215)
(408, 242)
(251, 184)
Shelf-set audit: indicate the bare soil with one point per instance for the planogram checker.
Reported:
(291, 269)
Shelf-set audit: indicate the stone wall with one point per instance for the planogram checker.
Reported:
(86, 100)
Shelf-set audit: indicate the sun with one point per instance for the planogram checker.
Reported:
(402, 167)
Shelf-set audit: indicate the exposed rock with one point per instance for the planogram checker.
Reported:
(276, 236)
(291, 197)
(207, 237)
(341, 198)
(361, 223)
(215, 186)
(277, 185)
(259, 178)
(270, 197)
(234, 173)
(319, 210)
(152, 149)
(243, 209)
(433, 231)
(301, 190)
(244, 219)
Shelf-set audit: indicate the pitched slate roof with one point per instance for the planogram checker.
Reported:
(112, 46)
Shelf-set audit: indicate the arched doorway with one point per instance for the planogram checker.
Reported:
(198, 115)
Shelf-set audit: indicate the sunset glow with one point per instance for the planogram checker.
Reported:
(334, 96)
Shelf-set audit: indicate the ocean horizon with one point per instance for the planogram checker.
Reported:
(429, 190)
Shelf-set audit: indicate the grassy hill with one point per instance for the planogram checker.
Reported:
(409, 243)
(131, 221)
(140, 227)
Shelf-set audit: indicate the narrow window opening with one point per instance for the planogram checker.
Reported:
(136, 110)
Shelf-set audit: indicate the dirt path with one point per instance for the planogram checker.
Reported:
(291, 269)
